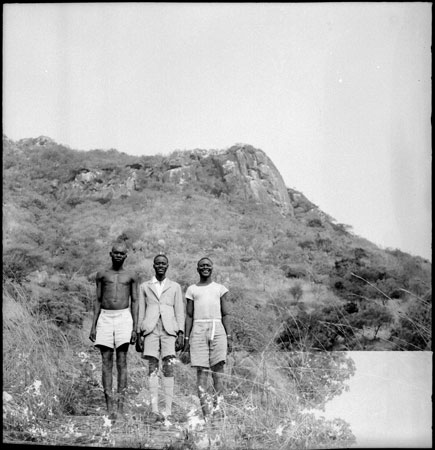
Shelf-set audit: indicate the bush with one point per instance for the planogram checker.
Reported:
(316, 223)
(296, 291)
(19, 261)
(294, 271)
(328, 328)
(307, 244)
(414, 329)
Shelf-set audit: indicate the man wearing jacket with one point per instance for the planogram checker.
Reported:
(161, 327)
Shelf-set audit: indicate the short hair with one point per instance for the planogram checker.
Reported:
(202, 259)
(162, 256)
(120, 245)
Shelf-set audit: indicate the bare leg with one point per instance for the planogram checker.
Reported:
(107, 356)
(217, 372)
(202, 377)
(121, 365)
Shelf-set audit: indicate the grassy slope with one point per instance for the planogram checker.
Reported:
(252, 245)
(58, 247)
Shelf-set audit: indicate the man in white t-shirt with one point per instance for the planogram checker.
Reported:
(208, 335)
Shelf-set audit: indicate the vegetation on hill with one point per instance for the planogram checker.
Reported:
(304, 279)
(298, 282)
(52, 393)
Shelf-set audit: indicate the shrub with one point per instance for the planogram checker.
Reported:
(413, 331)
(307, 244)
(20, 260)
(296, 291)
(324, 244)
(316, 223)
(327, 329)
(372, 316)
(294, 271)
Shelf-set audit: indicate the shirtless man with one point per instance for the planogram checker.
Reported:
(114, 323)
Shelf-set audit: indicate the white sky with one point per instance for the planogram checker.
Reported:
(338, 95)
(389, 403)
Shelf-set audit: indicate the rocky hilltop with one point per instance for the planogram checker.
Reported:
(240, 171)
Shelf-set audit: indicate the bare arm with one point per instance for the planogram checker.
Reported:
(134, 307)
(189, 322)
(97, 306)
(225, 311)
(141, 307)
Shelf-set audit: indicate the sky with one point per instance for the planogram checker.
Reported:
(338, 95)
(388, 404)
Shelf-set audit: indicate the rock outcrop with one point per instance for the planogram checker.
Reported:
(239, 170)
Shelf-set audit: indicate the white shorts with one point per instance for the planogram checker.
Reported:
(114, 327)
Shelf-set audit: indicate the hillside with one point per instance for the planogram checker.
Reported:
(299, 277)
(299, 282)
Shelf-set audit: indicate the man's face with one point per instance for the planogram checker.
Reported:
(160, 265)
(205, 268)
(118, 254)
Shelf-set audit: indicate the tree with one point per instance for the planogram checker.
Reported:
(319, 376)
(373, 316)
(322, 329)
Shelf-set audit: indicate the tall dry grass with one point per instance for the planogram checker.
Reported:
(36, 357)
(263, 406)
(268, 392)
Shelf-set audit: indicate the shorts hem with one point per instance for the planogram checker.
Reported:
(100, 344)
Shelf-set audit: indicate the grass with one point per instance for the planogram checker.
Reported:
(53, 395)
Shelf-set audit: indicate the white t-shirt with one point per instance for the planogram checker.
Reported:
(207, 300)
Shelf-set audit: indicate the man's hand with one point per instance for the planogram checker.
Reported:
(186, 345)
(140, 342)
(185, 353)
(179, 343)
(93, 334)
(133, 337)
(229, 344)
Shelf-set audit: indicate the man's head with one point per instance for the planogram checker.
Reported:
(160, 264)
(118, 253)
(205, 267)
